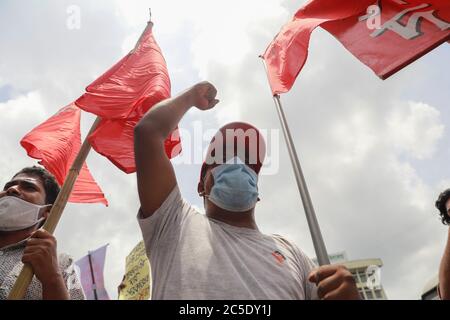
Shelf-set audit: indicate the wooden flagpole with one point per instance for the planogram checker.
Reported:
(26, 275)
(94, 285)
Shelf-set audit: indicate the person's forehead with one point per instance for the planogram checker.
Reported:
(210, 167)
(27, 178)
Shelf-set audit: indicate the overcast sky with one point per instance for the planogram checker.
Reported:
(375, 153)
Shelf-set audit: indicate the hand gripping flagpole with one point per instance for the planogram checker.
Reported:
(26, 275)
(316, 235)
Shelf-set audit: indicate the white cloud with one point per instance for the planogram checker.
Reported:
(30, 104)
(17, 118)
(416, 129)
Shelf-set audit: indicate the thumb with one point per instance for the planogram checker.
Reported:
(313, 276)
(215, 102)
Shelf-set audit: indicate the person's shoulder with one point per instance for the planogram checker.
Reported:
(172, 202)
(175, 202)
(290, 245)
(286, 241)
(173, 198)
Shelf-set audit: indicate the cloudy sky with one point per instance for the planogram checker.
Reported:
(375, 153)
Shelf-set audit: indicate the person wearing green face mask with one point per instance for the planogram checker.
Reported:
(221, 255)
(25, 203)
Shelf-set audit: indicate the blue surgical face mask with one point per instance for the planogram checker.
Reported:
(235, 186)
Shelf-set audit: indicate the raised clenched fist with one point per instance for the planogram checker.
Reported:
(203, 95)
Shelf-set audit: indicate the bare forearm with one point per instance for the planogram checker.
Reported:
(155, 174)
(163, 118)
(444, 272)
(55, 290)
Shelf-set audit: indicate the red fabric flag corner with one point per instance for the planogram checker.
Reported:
(131, 86)
(56, 143)
(123, 95)
(394, 34)
(114, 139)
(386, 35)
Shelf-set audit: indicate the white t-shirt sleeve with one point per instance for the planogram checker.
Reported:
(307, 265)
(304, 266)
(165, 223)
(310, 288)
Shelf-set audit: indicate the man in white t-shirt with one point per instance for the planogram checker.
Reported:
(221, 255)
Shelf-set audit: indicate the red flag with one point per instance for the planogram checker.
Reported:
(123, 95)
(133, 85)
(114, 139)
(56, 143)
(407, 30)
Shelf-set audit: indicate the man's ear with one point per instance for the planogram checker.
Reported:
(201, 189)
(46, 212)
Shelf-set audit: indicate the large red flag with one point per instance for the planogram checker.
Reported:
(123, 95)
(407, 31)
(396, 34)
(114, 140)
(131, 86)
(56, 143)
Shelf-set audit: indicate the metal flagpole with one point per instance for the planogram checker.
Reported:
(94, 286)
(316, 235)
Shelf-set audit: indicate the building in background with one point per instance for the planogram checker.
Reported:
(430, 291)
(367, 274)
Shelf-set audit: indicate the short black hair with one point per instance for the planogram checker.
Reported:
(51, 186)
(440, 205)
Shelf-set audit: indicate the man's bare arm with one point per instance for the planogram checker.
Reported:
(155, 174)
(40, 253)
